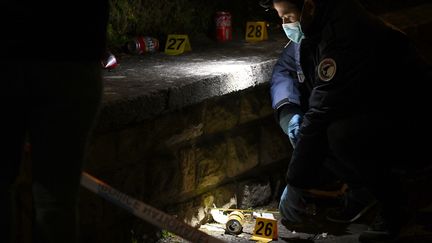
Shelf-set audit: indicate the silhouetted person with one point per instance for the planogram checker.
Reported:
(51, 90)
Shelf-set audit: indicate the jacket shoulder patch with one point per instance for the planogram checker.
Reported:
(327, 69)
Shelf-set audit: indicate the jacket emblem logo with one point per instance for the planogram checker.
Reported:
(327, 69)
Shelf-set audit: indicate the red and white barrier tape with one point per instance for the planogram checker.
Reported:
(146, 212)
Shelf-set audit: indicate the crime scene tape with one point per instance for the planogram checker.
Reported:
(146, 212)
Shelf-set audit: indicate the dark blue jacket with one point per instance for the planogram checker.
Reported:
(286, 78)
(353, 64)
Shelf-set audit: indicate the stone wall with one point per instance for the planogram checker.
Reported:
(186, 161)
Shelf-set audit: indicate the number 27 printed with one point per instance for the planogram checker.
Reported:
(175, 43)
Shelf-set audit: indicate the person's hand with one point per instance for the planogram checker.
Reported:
(290, 119)
(293, 128)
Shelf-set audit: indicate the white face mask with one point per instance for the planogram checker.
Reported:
(293, 31)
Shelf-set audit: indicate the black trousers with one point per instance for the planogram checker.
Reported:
(53, 105)
(371, 151)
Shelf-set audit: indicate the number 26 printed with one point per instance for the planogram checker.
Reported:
(264, 228)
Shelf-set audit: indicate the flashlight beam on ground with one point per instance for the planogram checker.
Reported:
(146, 212)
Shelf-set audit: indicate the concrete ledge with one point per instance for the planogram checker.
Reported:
(145, 86)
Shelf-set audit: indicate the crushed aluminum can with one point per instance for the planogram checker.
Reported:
(143, 44)
(234, 225)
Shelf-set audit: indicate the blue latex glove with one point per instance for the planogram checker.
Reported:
(293, 128)
(290, 119)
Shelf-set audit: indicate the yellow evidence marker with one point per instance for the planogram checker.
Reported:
(177, 44)
(256, 31)
(265, 230)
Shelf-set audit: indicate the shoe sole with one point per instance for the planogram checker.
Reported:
(358, 215)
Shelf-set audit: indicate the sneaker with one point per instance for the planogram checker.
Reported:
(379, 231)
(386, 229)
(308, 226)
(357, 201)
(350, 214)
(370, 236)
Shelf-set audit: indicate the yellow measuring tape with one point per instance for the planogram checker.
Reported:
(246, 210)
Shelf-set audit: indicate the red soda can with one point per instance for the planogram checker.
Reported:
(223, 26)
(143, 44)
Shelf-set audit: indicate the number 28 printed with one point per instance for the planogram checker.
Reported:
(254, 31)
